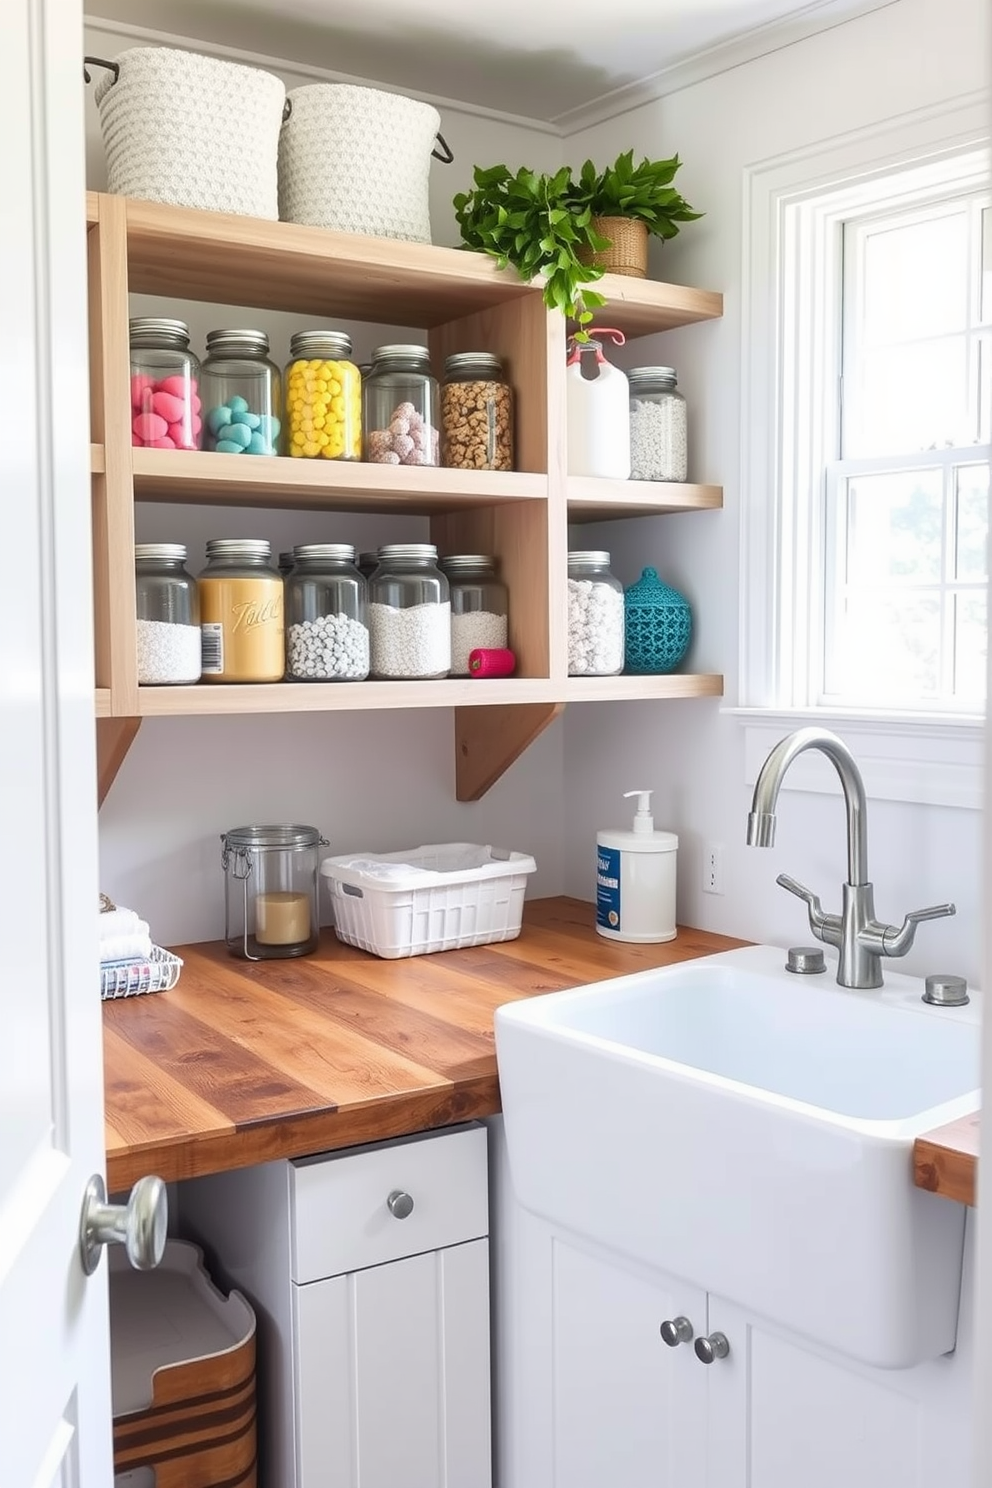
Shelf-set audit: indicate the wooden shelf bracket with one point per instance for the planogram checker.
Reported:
(488, 740)
(114, 737)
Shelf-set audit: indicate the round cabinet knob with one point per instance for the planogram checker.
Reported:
(139, 1225)
(675, 1331)
(399, 1204)
(715, 1346)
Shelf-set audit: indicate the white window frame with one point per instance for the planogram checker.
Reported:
(792, 205)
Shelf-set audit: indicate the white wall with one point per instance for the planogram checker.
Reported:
(376, 780)
(913, 54)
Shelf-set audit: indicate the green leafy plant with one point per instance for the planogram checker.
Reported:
(542, 225)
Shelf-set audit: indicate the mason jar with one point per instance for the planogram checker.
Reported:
(327, 637)
(323, 391)
(242, 395)
(241, 613)
(270, 891)
(409, 613)
(479, 606)
(658, 447)
(165, 385)
(400, 408)
(476, 413)
(595, 616)
(168, 615)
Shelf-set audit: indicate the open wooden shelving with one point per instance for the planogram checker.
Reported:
(463, 302)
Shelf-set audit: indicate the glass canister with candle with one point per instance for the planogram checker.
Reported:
(270, 891)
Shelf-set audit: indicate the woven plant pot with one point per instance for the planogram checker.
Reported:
(191, 131)
(628, 250)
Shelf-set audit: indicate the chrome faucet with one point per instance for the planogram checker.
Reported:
(860, 939)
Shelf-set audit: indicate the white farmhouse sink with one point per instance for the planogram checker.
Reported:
(750, 1130)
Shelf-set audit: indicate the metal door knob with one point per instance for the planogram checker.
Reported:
(675, 1331)
(716, 1346)
(139, 1225)
(399, 1204)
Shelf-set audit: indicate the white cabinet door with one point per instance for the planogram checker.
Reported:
(392, 1374)
(785, 1414)
(627, 1409)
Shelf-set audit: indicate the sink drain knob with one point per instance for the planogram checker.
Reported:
(946, 991)
(806, 960)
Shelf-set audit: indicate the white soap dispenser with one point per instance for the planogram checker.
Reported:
(635, 879)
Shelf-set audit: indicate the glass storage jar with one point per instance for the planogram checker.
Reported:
(241, 612)
(658, 448)
(323, 391)
(168, 615)
(242, 395)
(165, 385)
(476, 413)
(595, 616)
(327, 638)
(409, 613)
(270, 891)
(478, 607)
(400, 408)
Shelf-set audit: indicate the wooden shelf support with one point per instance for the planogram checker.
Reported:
(488, 740)
(114, 737)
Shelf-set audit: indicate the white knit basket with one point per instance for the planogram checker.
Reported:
(192, 131)
(358, 160)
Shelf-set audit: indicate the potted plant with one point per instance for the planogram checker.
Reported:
(546, 225)
(627, 204)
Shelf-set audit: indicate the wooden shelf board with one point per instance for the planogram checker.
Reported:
(621, 689)
(98, 459)
(314, 271)
(592, 500)
(102, 703)
(205, 478)
(451, 692)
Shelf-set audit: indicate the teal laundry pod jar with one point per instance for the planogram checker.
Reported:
(657, 625)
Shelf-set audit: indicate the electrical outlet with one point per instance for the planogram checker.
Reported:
(713, 868)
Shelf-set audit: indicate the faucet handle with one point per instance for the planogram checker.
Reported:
(801, 892)
(897, 942)
(826, 927)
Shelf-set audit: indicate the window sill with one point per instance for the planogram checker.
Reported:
(922, 760)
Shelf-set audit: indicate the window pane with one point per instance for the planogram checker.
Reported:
(895, 528)
(914, 398)
(987, 264)
(916, 280)
(971, 557)
(888, 649)
(970, 646)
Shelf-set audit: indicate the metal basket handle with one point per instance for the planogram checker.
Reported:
(448, 155)
(114, 67)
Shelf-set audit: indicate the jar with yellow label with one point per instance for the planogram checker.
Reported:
(323, 397)
(241, 613)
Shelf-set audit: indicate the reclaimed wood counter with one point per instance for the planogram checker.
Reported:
(245, 1062)
(945, 1161)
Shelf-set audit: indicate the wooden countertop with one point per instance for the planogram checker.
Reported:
(243, 1063)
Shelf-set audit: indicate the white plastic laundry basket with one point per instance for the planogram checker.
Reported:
(191, 131)
(358, 160)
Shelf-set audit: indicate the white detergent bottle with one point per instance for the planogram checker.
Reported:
(597, 410)
(635, 879)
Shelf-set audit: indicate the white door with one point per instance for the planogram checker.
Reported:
(55, 1395)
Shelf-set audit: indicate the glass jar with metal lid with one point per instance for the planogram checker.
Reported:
(658, 446)
(327, 638)
(409, 613)
(595, 616)
(270, 890)
(400, 408)
(168, 615)
(241, 613)
(476, 413)
(323, 392)
(242, 394)
(478, 607)
(165, 385)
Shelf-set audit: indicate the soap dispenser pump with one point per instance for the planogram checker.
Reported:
(635, 878)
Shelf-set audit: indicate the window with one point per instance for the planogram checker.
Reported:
(866, 385)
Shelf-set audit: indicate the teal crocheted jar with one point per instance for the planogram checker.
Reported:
(657, 625)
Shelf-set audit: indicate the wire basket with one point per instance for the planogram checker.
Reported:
(158, 972)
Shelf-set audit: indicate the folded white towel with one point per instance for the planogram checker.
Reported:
(119, 922)
(136, 943)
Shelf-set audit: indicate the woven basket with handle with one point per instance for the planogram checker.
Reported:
(628, 250)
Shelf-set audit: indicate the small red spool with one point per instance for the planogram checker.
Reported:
(497, 661)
